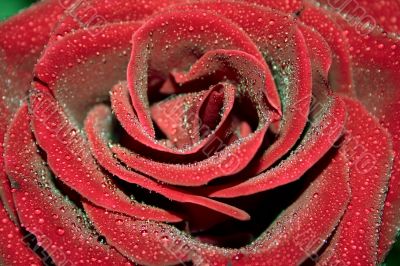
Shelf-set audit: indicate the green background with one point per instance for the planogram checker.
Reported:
(10, 7)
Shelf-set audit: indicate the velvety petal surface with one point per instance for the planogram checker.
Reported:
(68, 239)
(306, 223)
(370, 156)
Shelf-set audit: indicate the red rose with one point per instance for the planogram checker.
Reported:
(255, 132)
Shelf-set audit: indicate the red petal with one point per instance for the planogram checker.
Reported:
(287, 52)
(92, 14)
(238, 67)
(13, 250)
(6, 196)
(387, 108)
(237, 156)
(134, 239)
(229, 161)
(97, 128)
(302, 229)
(376, 82)
(319, 51)
(245, 68)
(206, 31)
(370, 156)
(307, 223)
(5, 185)
(70, 159)
(182, 117)
(171, 114)
(384, 13)
(126, 116)
(68, 66)
(287, 6)
(324, 131)
(22, 38)
(43, 211)
(340, 76)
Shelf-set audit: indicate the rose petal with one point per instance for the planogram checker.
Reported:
(20, 51)
(43, 211)
(123, 110)
(287, 53)
(97, 127)
(229, 161)
(287, 6)
(318, 139)
(340, 76)
(13, 250)
(69, 158)
(319, 51)
(18, 54)
(245, 68)
(131, 237)
(383, 13)
(307, 223)
(238, 67)
(150, 50)
(302, 229)
(248, 72)
(85, 65)
(5, 185)
(93, 14)
(6, 108)
(370, 157)
(178, 117)
(6, 197)
(374, 74)
(184, 117)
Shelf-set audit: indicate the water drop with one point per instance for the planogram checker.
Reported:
(60, 231)
(144, 232)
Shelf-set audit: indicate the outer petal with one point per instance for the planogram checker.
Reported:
(57, 224)
(287, 6)
(81, 60)
(340, 76)
(358, 13)
(370, 159)
(22, 38)
(13, 249)
(60, 139)
(92, 15)
(306, 224)
(376, 83)
(134, 239)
